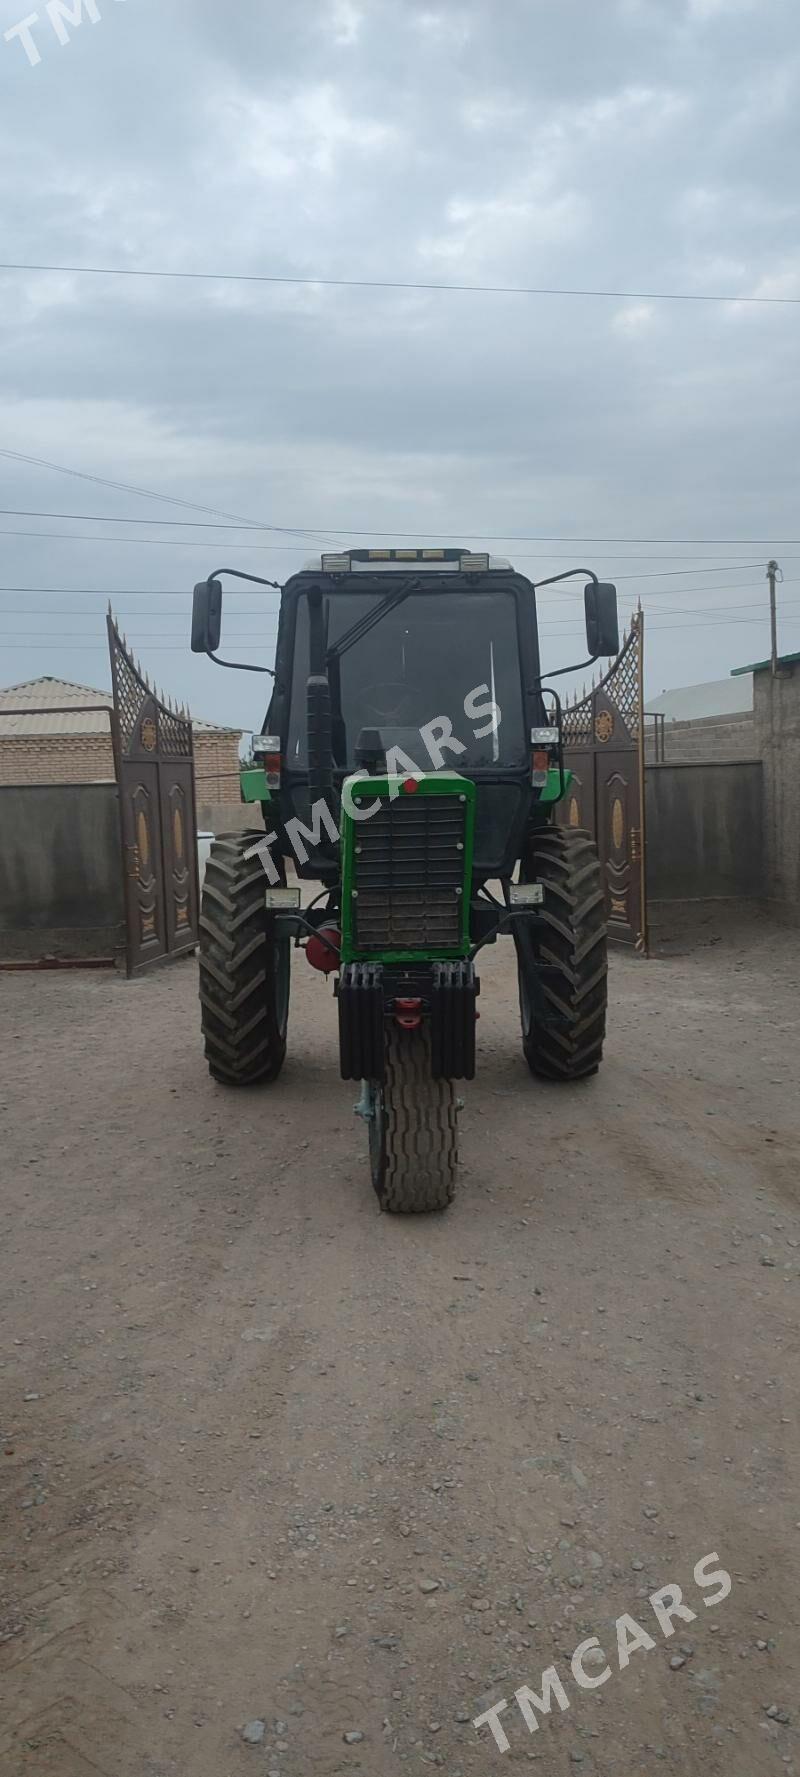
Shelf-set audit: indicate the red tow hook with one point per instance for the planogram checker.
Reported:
(408, 1014)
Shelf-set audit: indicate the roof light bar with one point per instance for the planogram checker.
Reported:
(464, 559)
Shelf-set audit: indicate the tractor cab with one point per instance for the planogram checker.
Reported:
(432, 662)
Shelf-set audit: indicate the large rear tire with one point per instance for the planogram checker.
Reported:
(244, 968)
(573, 947)
(413, 1132)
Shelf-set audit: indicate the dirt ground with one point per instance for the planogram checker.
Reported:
(268, 1457)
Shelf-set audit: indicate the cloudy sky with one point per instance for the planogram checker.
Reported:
(633, 145)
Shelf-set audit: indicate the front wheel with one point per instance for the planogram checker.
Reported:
(413, 1138)
(565, 973)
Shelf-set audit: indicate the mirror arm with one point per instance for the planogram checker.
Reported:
(585, 574)
(241, 666)
(580, 666)
(236, 574)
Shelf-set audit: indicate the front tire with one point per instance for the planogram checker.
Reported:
(244, 968)
(413, 1132)
(573, 947)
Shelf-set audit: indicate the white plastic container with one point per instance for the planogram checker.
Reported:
(204, 844)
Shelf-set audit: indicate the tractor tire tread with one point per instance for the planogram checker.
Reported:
(421, 1129)
(565, 861)
(244, 1044)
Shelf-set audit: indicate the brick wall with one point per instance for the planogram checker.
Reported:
(216, 767)
(89, 758)
(56, 759)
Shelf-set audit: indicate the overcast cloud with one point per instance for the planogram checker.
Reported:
(631, 144)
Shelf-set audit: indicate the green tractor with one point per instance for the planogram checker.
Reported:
(412, 764)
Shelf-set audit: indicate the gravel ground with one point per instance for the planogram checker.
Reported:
(289, 1486)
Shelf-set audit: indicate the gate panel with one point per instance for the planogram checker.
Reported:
(141, 838)
(604, 748)
(179, 848)
(155, 773)
(617, 812)
(579, 809)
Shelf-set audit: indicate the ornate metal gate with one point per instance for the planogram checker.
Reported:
(604, 748)
(155, 775)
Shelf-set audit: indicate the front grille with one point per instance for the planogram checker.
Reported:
(409, 867)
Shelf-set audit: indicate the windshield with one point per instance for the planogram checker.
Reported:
(438, 655)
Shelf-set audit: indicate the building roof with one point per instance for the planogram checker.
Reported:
(68, 704)
(763, 666)
(690, 703)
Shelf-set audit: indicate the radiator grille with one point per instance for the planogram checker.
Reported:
(409, 865)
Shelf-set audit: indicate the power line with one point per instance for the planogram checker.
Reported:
(162, 542)
(121, 271)
(354, 531)
(106, 592)
(197, 543)
(250, 616)
(550, 623)
(149, 494)
(177, 648)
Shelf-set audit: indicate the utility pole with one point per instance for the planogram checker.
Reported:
(772, 575)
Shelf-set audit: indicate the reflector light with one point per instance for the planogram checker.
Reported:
(410, 786)
(540, 761)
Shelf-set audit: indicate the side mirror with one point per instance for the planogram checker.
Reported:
(602, 622)
(207, 617)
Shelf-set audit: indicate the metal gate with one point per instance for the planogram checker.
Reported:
(604, 748)
(153, 755)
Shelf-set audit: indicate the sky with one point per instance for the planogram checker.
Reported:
(624, 145)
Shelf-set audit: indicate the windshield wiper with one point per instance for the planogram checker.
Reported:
(363, 625)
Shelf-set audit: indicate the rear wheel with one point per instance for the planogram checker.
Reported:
(567, 1042)
(413, 1135)
(244, 968)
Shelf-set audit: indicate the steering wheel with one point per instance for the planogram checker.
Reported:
(385, 699)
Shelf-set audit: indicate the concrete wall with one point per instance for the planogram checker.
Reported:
(705, 832)
(226, 817)
(60, 871)
(707, 738)
(777, 713)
